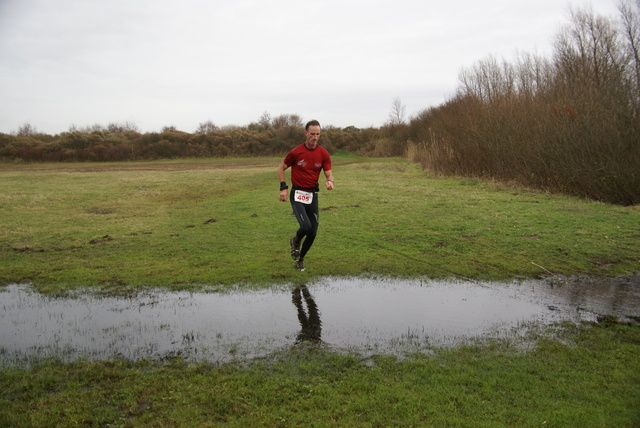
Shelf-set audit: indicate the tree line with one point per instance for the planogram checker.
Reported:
(124, 141)
(569, 124)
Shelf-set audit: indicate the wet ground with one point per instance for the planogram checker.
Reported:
(367, 316)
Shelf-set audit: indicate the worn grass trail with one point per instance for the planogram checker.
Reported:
(181, 224)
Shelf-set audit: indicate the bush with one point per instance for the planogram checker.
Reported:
(568, 125)
(120, 143)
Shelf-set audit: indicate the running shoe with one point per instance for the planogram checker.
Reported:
(295, 248)
(300, 265)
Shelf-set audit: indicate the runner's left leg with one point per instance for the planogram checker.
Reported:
(307, 216)
(312, 215)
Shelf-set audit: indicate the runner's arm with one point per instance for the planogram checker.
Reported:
(329, 175)
(283, 193)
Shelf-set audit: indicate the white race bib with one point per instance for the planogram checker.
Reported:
(302, 196)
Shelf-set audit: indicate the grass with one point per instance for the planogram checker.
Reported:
(181, 224)
(589, 378)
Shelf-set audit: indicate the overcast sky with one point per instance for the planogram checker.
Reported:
(176, 63)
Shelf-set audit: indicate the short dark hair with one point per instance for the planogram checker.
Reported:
(311, 123)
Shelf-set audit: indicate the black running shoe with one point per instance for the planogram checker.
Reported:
(295, 248)
(300, 265)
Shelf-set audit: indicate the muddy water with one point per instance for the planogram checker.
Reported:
(367, 316)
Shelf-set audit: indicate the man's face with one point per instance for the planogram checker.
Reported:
(313, 135)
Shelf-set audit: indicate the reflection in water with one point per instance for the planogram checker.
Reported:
(311, 326)
(363, 315)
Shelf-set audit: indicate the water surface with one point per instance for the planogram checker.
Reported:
(367, 316)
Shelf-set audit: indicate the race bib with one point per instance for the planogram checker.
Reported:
(302, 196)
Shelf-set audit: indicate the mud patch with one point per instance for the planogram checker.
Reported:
(105, 238)
(100, 211)
(366, 316)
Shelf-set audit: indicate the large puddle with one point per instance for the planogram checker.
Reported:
(367, 316)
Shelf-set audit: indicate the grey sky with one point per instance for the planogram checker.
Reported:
(180, 63)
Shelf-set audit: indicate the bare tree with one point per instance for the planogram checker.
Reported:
(207, 127)
(265, 120)
(26, 130)
(532, 75)
(122, 127)
(287, 120)
(588, 52)
(397, 113)
(630, 20)
(488, 80)
(96, 127)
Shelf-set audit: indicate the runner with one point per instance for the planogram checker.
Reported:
(306, 162)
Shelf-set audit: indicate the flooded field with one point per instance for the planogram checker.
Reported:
(367, 316)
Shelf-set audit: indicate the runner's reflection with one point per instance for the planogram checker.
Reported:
(311, 327)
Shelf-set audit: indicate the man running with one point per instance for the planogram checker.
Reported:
(306, 162)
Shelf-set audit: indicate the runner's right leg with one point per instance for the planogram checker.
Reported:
(295, 248)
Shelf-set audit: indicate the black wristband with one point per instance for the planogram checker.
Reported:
(283, 185)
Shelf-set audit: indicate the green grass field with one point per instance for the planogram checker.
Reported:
(184, 224)
(587, 378)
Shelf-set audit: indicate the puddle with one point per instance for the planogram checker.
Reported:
(367, 316)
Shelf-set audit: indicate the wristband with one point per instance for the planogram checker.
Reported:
(283, 185)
